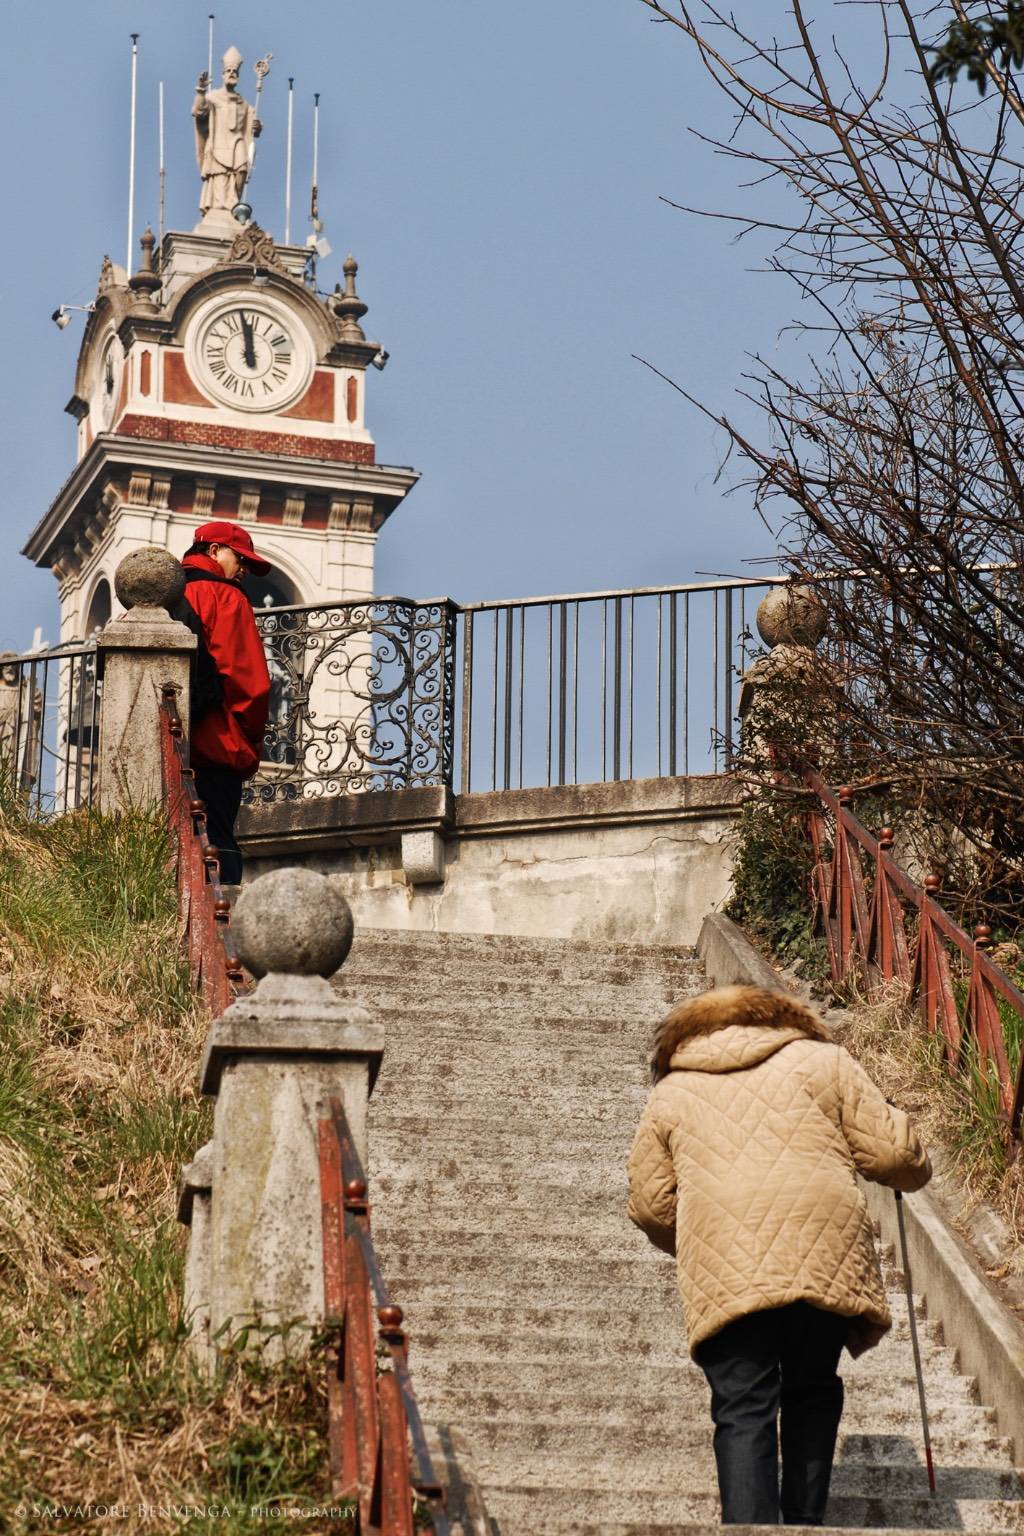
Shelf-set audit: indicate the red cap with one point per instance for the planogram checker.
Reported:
(236, 538)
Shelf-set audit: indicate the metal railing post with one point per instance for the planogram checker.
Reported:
(466, 768)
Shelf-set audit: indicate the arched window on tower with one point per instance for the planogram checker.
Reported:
(82, 696)
(99, 608)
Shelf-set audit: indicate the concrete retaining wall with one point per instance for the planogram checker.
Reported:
(639, 861)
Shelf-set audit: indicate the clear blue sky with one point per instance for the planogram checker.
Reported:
(496, 169)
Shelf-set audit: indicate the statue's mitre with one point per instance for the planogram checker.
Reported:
(232, 58)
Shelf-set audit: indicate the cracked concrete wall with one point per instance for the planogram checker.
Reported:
(642, 882)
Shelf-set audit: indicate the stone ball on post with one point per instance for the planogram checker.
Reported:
(292, 922)
(791, 615)
(149, 578)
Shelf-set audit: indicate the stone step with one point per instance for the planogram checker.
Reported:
(896, 1412)
(552, 1027)
(438, 990)
(689, 1470)
(519, 1242)
(518, 1236)
(858, 1443)
(638, 1381)
(579, 993)
(510, 949)
(666, 1346)
(410, 1193)
(543, 1272)
(480, 1066)
(528, 1509)
(415, 1155)
(648, 1282)
(714, 1528)
(468, 1127)
(486, 1048)
(599, 1326)
(568, 1279)
(544, 1104)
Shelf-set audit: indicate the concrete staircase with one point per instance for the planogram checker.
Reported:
(542, 1324)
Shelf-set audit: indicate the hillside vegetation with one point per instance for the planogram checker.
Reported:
(100, 1036)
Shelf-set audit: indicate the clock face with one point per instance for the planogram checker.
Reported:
(251, 355)
(108, 383)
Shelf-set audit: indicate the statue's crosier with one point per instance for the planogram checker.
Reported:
(226, 126)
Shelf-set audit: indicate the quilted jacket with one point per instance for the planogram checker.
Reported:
(744, 1164)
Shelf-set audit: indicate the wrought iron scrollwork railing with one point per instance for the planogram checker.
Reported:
(361, 698)
(552, 690)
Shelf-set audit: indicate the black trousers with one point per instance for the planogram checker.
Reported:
(220, 790)
(783, 1359)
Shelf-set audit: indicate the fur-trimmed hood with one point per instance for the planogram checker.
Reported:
(758, 1022)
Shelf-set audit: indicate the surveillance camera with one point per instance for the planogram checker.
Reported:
(61, 317)
(380, 359)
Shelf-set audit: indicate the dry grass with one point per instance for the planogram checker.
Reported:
(952, 1111)
(99, 1040)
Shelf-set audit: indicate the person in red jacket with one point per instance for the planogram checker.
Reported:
(231, 689)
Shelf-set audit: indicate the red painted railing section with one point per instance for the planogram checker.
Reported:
(867, 938)
(372, 1416)
(203, 909)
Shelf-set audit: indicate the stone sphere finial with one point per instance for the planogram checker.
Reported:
(292, 922)
(149, 578)
(791, 615)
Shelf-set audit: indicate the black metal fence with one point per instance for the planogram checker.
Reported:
(388, 693)
(604, 685)
(361, 698)
(49, 728)
(551, 690)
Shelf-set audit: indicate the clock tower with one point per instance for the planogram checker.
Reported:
(217, 382)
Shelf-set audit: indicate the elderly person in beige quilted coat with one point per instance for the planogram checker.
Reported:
(743, 1168)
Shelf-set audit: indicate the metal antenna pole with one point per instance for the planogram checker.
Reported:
(131, 156)
(913, 1339)
(209, 52)
(163, 168)
(313, 209)
(288, 165)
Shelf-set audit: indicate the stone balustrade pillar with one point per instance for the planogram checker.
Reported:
(273, 1060)
(792, 690)
(139, 655)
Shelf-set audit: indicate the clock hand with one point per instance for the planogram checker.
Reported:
(250, 350)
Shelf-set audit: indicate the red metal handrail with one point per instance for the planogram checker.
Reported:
(371, 1417)
(203, 910)
(867, 937)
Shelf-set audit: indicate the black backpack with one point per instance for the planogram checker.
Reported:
(207, 688)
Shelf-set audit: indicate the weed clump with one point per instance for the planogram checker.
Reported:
(100, 1036)
(771, 883)
(954, 1110)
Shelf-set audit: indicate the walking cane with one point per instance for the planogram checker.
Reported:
(913, 1339)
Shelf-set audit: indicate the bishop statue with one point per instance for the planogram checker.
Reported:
(226, 126)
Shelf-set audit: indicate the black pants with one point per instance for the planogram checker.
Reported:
(784, 1358)
(220, 790)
